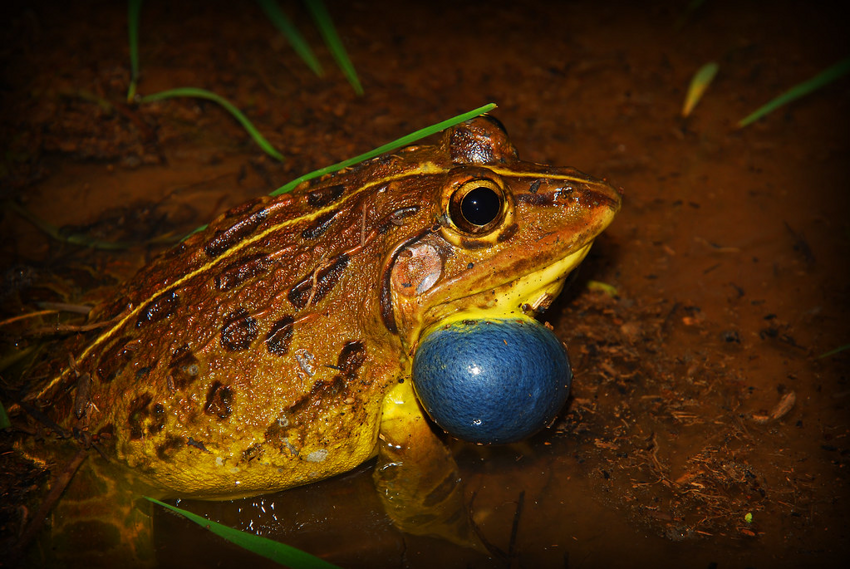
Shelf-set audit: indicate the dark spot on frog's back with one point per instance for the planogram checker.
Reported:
(184, 367)
(245, 208)
(325, 278)
(137, 413)
(233, 235)
(114, 359)
(174, 252)
(219, 400)
(239, 331)
(325, 196)
(157, 419)
(253, 452)
(319, 225)
(320, 395)
(280, 336)
(160, 308)
(165, 450)
(352, 356)
(239, 271)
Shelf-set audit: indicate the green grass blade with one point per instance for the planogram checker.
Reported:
(5, 423)
(699, 83)
(296, 40)
(403, 141)
(820, 80)
(837, 350)
(134, 8)
(237, 114)
(278, 552)
(328, 31)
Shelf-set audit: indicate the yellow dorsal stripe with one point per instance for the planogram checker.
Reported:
(526, 174)
(425, 169)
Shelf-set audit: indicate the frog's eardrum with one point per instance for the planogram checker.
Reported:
(492, 381)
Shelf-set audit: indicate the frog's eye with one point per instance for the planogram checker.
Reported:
(477, 206)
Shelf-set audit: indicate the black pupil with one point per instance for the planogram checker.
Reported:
(480, 206)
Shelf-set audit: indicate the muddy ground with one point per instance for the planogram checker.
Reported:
(707, 426)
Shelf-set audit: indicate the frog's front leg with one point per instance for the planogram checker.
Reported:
(416, 475)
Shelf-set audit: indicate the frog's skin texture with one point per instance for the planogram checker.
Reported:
(261, 353)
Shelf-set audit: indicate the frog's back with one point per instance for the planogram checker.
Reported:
(254, 356)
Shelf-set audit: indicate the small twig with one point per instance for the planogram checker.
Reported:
(20, 317)
(66, 329)
(65, 307)
(515, 527)
(491, 548)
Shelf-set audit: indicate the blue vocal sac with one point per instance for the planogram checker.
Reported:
(492, 381)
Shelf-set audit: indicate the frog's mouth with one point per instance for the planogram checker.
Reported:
(527, 295)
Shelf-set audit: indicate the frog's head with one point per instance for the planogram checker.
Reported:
(506, 234)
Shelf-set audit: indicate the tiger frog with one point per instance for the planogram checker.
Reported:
(273, 349)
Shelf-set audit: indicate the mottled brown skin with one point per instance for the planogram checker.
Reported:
(256, 355)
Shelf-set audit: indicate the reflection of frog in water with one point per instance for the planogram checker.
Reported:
(273, 349)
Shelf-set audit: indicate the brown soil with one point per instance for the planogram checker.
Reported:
(702, 395)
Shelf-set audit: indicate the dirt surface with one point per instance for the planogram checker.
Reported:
(706, 427)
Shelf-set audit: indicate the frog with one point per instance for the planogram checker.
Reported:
(273, 349)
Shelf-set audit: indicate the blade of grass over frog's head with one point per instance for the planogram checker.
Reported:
(699, 83)
(820, 80)
(296, 40)
(237, 114)
(403, 141)
(278, 552)
(134, 8)
(326, 27)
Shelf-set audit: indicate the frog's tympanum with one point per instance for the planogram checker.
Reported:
(273, 349)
